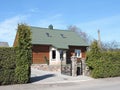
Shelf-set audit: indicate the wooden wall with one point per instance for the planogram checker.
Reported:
(40, 51)
(38, 54)
(72, 50)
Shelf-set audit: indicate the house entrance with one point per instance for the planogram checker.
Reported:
(79, 68)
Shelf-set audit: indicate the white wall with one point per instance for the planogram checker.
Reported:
(56, 61)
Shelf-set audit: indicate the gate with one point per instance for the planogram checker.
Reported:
(66, 69)
(79, 68)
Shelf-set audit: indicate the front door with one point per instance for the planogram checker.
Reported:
(63, 55)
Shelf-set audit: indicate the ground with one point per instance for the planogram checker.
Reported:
(53, 81)
(47, 77)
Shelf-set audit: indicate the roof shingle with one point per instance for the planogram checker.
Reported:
(60, 39)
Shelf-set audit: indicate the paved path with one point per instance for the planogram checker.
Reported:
(46, 77)
(96, 84)
(43, 80)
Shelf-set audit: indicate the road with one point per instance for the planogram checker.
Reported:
(101, 84)
(98, 84)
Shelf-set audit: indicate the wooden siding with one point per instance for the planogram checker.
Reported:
(72, 50)
(38, 54)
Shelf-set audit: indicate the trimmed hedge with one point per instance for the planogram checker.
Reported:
(24, 55)
(7, 65)
(103, 64)
(15, 62)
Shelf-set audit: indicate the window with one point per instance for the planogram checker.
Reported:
(62, 35)
(53, 54)
(61, 54)
(48, 35)
(78, 53)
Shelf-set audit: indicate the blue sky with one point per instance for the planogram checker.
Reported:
(88, 15)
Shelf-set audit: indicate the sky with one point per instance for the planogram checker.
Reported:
(88, 15)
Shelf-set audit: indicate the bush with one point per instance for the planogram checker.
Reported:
(7, 65)
(23, 60)
(103, 64)
(15, 62)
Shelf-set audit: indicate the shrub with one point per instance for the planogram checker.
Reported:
(23, 60)
(7, 65)
(93, 55)
(103, 63)
(46, 60)
(15, 62)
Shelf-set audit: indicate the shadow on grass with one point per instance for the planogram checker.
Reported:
(38, 78)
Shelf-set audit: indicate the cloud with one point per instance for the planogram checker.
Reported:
(56, 20)
(8, 28)
(34, 10)
(109, 28)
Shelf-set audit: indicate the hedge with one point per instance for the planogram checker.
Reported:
(106, 68)
(103, 64)
(24, 55)
(7, 65)
(15, 62)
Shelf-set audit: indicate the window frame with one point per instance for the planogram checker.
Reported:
(78, 53)
(53, 56)
(61, 54)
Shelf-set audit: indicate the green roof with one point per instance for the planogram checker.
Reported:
(60, 39)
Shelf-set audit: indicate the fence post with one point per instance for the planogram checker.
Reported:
(74, 65)
(83, 66)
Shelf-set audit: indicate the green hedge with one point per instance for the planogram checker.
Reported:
(15, 62)
(103, 64)
(24, 55)
(106, 68)
(7, 65)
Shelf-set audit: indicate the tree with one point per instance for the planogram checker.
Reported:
(93, 54)
(82, 34)
(23, 60)
(102, 63)
(111, 46)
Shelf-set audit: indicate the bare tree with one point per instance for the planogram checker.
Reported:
(112, 46)
(81, 33)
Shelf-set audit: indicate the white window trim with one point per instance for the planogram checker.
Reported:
(55, 55)
(78, 55)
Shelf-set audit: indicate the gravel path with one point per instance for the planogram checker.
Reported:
(47, 77)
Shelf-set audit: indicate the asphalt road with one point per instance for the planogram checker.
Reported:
(99, 84)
